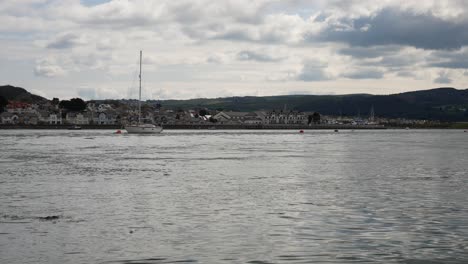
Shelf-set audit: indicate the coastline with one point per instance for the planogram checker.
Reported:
(246, 127)
(206, 127)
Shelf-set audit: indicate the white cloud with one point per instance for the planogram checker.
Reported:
(48, 67)
(313, 71)
(443, 78)
(229, 46)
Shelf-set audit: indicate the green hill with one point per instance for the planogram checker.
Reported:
(446, 104)
(12, 93)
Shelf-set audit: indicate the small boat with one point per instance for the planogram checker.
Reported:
(141, 128)
(74, 128)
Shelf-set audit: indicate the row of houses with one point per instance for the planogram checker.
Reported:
(113, 117)
(48, 113)
(58, 119)
(263, 117)
(107, 114)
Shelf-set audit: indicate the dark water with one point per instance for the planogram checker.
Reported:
(234, 197)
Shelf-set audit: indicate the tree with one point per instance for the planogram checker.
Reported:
(55, 101)
(309, 119)
(75, 104)
(213, 120)
(3, 103)
(203, 112)
(316, 118)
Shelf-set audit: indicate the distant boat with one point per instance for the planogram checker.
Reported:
(141, 128)
(74, 128)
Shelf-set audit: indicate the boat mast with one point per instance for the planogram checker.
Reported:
(139, 97)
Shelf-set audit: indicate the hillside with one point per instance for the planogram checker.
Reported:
(12, 93)
(447, 104)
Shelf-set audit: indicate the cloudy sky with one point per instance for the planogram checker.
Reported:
(205, 48)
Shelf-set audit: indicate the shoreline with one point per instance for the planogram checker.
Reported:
(204, 127)
(228, 127)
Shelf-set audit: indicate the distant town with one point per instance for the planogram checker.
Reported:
(435, 108)
(118, 113)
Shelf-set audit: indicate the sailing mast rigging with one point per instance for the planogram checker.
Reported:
(141, 128)
(139, 95)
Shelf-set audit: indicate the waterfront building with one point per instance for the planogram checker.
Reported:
(106, 118)
(82, 118)
(9, 118)
(231, 117)
(285, 117)
(55, 119)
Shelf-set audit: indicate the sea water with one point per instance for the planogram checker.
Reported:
(387, 196)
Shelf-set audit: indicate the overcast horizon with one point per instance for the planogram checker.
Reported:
(209, 49)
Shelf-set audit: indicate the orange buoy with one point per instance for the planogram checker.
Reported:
(118, 132)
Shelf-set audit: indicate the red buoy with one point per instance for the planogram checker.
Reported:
(118, 132)
(301, 131)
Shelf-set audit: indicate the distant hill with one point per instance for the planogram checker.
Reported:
(446, 104)
(12, 93)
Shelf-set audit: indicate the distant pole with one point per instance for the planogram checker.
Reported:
(139, 96)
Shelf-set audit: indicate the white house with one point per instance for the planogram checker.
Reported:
(9, 118)
(105, 118)
(81, 119)
(55, 119)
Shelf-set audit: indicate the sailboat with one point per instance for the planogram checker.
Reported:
(141, 128)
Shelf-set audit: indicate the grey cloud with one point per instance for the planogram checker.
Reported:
(126, 14)
(269, 36)
(364, 74)
(398, 61)
(443, 78)
(397, 27)
(247, 55)
(313, 71)
(65, 41)
(235, 35)
(369, 52)
(394, 63)
(453, 60)
(455, 64)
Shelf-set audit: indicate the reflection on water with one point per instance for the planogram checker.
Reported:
(234, 197)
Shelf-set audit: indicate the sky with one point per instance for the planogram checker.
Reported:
(204, 48)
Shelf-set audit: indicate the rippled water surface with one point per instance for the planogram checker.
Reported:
(234, 197)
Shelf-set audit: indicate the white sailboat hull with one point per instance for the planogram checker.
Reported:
(144, 129)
